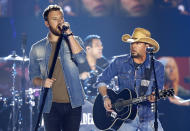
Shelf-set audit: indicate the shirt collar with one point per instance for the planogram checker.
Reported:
(146, 62)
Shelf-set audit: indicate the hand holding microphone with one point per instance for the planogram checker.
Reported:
(64, 27)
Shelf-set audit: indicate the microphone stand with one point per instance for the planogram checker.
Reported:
(156, 92)
(23, 82)
(49, 76)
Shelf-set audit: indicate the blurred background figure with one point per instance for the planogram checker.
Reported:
(135, 8)
(98, 8)
(65, 4)
(143, 8)
(172, 78)
(90, 8)
(95, 8)
(94, 65)
(175, 110)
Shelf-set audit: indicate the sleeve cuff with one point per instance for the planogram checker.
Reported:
(101, 84)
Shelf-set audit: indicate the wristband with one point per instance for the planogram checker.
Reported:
(69, 34)
(104, 97)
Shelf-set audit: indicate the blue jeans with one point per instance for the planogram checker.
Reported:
(136, 125)
(62, 117)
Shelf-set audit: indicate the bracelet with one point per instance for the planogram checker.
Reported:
(104, 97)
(69, 34)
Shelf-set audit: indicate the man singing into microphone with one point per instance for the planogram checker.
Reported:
(62, 109)
(134, 73)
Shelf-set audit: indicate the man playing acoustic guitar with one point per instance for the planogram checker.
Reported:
(134, 73)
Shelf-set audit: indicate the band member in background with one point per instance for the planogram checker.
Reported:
(62, 110)
(94, 65)
(172, 81)
(130, 70)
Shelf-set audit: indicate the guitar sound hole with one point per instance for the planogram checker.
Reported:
(119, 105)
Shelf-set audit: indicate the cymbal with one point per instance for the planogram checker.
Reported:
(31, 90)
(14, 57)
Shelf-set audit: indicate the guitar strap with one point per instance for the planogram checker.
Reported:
(146, 81)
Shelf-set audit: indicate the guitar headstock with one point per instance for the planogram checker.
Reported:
(166, 93)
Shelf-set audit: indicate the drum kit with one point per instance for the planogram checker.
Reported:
(17, 97)
(90, 88)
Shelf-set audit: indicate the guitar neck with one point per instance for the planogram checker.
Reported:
(139, 99)
(162, 94)
(135, 100)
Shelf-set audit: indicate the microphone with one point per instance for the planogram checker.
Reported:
(150, 49)
(64, 28)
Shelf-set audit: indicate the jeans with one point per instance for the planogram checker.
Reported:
(136, 125)
(62, 117)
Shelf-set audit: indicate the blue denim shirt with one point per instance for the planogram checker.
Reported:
(123, 67)
(38, 67)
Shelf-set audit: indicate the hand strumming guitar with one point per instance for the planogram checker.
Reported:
(107, 104)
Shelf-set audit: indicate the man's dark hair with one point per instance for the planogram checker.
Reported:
(88, 40)
(51, 8)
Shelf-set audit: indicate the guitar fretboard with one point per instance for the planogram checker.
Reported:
(162, 94)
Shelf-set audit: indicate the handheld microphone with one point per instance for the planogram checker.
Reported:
(150, 49)
(64, 28)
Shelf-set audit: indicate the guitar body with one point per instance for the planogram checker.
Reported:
(124, 105)
(105, 120)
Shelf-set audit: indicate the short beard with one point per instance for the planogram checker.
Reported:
(135, 56)
(54, 31)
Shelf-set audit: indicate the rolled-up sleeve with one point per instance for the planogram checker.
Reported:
(79, 57)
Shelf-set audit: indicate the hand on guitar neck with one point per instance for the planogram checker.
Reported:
(151, 98)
